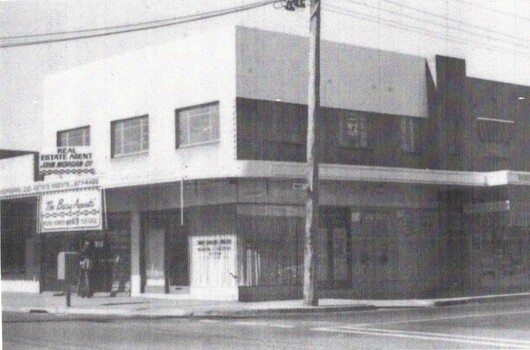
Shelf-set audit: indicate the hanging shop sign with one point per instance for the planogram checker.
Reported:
(78, 210)
(66, 160)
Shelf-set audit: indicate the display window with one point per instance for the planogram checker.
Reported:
(18, 218)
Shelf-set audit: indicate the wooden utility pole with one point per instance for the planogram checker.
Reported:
(313, 157)
(313, 152)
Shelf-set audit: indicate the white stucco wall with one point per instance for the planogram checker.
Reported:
(16, 171)
(154, 81)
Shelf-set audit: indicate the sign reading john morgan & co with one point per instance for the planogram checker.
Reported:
(66, 160)
(77, 210)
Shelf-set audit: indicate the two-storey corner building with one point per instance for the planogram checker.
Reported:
(198, 151)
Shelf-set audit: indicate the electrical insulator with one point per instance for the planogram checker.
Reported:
(299, 3)
(289, 6)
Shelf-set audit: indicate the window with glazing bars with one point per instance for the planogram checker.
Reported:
(74, 137)
(495, 130)
(196, 125)
(353, 130)
(130, 136)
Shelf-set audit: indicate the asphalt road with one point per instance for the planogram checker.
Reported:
(503, 325)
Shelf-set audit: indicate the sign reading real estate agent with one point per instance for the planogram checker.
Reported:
(66, 160)
(78, 210)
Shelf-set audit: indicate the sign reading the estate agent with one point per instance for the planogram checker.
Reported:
(66, 160)
(78, 210)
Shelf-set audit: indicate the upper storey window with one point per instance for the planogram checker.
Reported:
(271, 122)
(285, 122)
(130, 136)
(74, 137)
(197, 125)
(353, 130)
(494, 130)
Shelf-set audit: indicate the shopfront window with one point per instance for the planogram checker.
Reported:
(273, 247)
(18, 227)
(13, 252)
(272, 250)
(499, 252)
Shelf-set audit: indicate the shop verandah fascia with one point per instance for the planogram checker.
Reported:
(241, 239)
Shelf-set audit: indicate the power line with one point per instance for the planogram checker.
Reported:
(452, 20)
(147, 23)
(469, 3)
(415, 29)
(418, 30)
(441, 25)
(129, 28)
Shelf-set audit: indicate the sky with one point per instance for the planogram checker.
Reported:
(493, 36)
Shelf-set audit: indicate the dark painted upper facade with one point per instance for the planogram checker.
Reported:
(472, 125)
(475, 124)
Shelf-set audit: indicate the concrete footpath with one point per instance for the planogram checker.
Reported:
(125, 306)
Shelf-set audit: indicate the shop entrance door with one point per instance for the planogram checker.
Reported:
(375, 265)
(177, 261)
(154, 260)
(334, 261)
(165, 256)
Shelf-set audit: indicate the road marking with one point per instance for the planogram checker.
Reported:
(282, 325)
(507, 343)
(208, 321)
(441, 318)
(518, 342)
(263, 324)
(248, 323)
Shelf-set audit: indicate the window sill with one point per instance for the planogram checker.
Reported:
(125, 155)
(198, 144)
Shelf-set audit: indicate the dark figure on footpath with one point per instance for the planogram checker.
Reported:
(86, 265)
